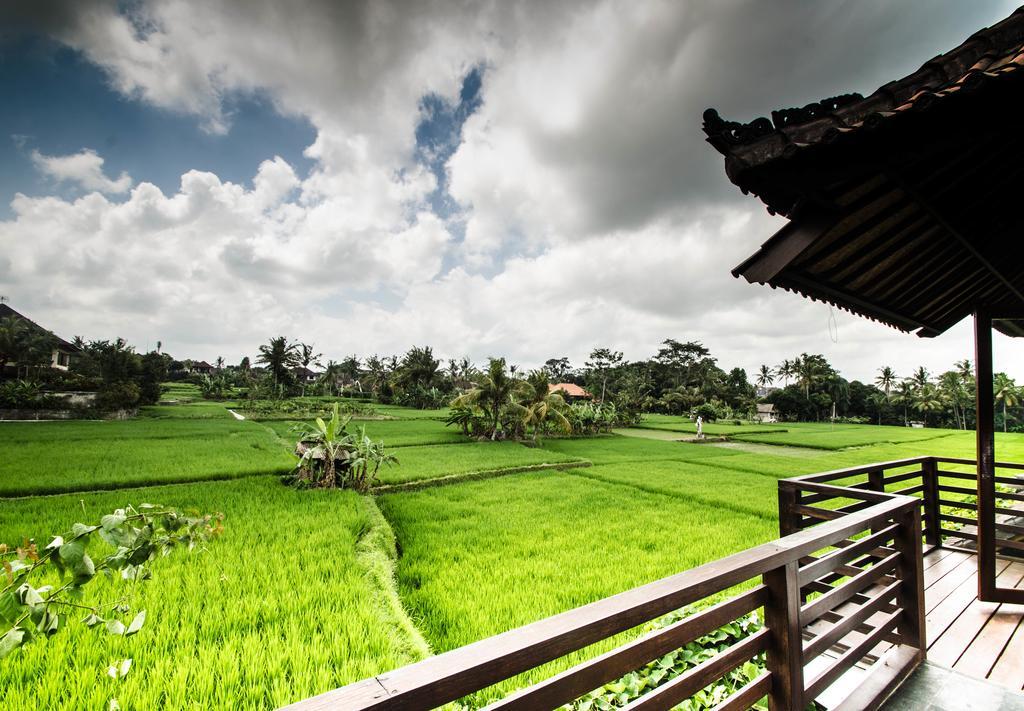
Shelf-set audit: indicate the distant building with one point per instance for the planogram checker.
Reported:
(305, 375)
(765, 413)
(570, 391)
(60, 358)
(764, 391)
(200, 367)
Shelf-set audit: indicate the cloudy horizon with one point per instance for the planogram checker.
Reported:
(527, 180)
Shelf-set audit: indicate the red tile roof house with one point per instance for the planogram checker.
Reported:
(570, 391)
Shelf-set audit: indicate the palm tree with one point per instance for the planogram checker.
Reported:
(810, 371)
(279, 356)
(1006, 392)
(492, 394)
(886, 380)
(965, 368)
(766, 376)
(904, 396)
(920, 377)
(541, 406)
(219, 363)
(951, 385)
(928, 399)
(785, 370)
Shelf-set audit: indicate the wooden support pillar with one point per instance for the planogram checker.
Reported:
(789, 519)
(986, 444)
(784, 657)
(911, 574)
(932, 508)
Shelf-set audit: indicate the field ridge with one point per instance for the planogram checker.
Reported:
(377, 552)
(659, 491)
(415, 485)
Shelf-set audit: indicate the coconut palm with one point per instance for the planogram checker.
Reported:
(810, 370)
(279, 356)
(492, 394)
(766, 376)
(920, 377)
(927, 400)
(1006, 392)
(904, 396)
(965, 368)
(541, 406)
(785, 370)
(886, 380)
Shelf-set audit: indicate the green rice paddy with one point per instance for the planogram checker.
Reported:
(306, 591)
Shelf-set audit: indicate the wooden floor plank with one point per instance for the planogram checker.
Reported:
(955, 639)
(951, 581)
(947, 565)
(988, 645)
(938, 555)
(1009, 668)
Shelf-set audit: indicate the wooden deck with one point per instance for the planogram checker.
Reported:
(984, 640)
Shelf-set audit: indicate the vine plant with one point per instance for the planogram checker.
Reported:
(30, 611)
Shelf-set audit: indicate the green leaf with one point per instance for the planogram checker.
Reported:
(92, 619)
(136, 624)
(11, 607)
(49, 623)
(11, 641)
(115, 627)
(112, 521)
(28, 595)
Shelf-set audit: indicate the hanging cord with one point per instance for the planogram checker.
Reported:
(833, 325)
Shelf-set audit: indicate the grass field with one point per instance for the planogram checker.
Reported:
(282, 606)
(305, 591)
(54, 457)
(432, 461)
(395, 433)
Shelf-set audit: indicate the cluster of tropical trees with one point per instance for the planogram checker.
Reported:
(123, 378)
(810, 388)
(30, 349)
(502, 404)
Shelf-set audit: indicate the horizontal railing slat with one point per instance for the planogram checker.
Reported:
(693, 680)
(823, 680)
(850, 622)
(589, 675)
(749, 695)
(827, 563)
(814, 609)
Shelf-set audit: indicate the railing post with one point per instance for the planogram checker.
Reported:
(784, 656)
(789, 519)
(910, 593)
(932, 510)
(876, 478)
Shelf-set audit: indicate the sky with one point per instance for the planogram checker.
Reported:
(519, 179)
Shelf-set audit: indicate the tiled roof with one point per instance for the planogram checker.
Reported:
(6, 311)
(988, 55)
(570, 389)
(902, 206)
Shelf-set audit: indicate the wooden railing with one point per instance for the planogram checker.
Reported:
(842, 587)
(942, 493)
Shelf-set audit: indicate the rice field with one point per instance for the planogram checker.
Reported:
(55, 457)
(306, 590)
(282, 606)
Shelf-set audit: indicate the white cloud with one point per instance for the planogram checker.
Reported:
(84, 168)
(595, 214)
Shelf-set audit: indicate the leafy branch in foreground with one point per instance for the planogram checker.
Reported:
(29, 611)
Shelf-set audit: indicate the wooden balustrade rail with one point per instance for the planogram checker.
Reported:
(844, 580)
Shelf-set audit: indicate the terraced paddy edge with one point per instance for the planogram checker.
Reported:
(435, 461)
(473, 476)
(87, 456)
(484, 557)
(293, 600)
(377, 552)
